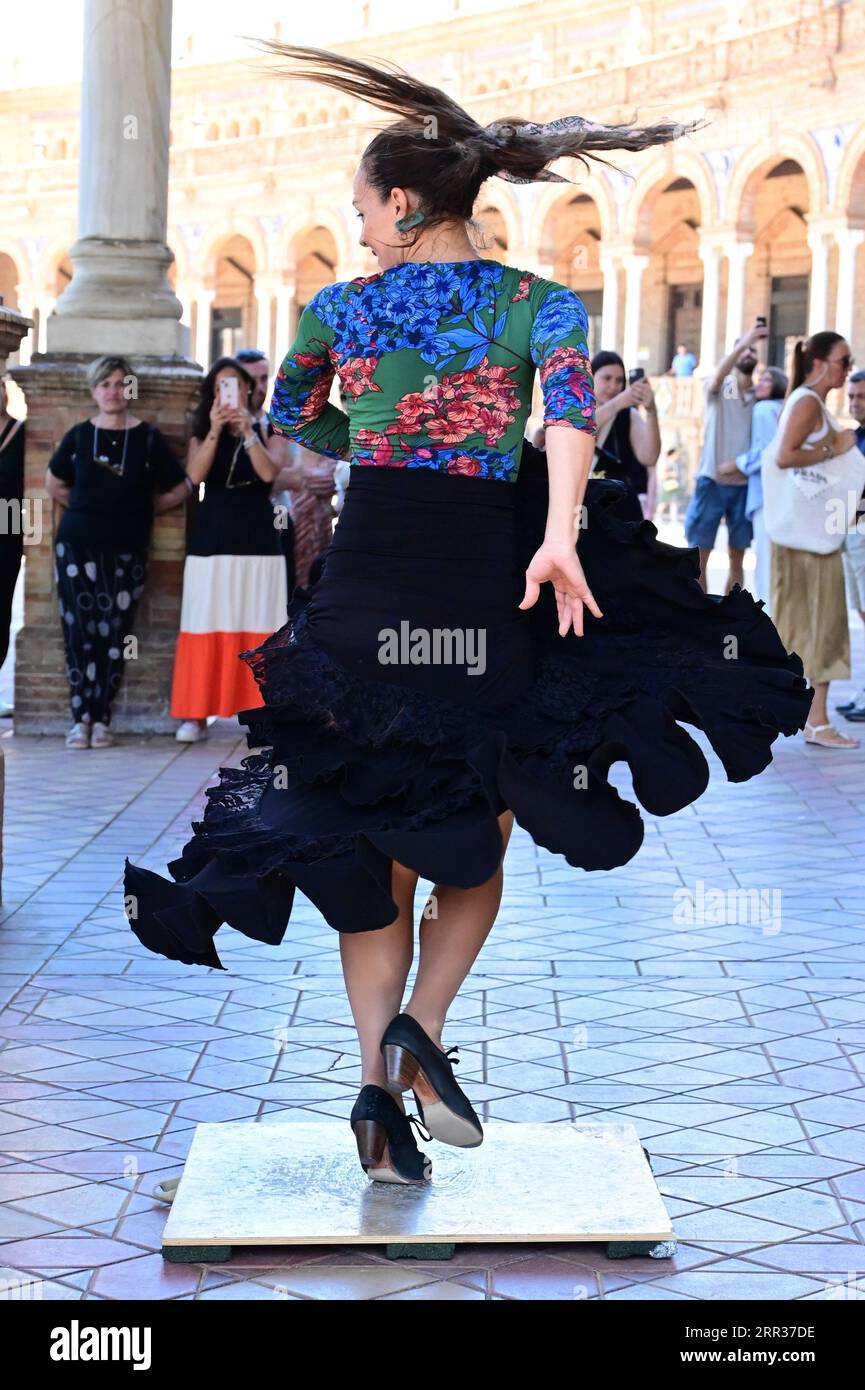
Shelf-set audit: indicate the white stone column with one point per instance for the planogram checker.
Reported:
(263, 300)
(46, 304)
(848, 240)
(710, 255)
(28, 298)
(186, 295)
(119, 299)
(820, 241)
(284, 331)
(610, 265)
(203, 303)
(635, 264)
(738, 253)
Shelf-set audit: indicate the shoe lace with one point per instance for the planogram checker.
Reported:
(454, 1061)
(414, 1120)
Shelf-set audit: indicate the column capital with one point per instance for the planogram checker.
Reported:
(617, 250)
(739, 250)
(267, 281)
(710, 251)
(819, 236)
(848, 236)
(826, 224)
(721, 235)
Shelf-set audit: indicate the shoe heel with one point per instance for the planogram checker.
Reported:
(401, 1067)
(371, 1140)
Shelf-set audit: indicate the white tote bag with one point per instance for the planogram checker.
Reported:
(813, 507)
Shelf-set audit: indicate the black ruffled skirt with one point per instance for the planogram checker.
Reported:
(409, 701)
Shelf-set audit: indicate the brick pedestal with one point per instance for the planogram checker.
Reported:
(57, 397)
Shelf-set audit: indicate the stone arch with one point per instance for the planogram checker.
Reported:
(752, 168)
(52, 257)
(15, 252)
(552, 193)
(505, 205)
(850, 191)
(216, 236)
(295, 231)
(654, 179)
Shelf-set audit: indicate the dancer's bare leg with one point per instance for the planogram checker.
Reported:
(450, 942)
(704, 564)
(375, 965)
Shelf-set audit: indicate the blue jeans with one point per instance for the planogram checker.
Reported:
(710, 502)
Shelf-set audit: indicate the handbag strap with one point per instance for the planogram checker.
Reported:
(10, 433)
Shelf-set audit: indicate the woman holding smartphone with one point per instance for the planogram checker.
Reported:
(235, 590)
(628, 444)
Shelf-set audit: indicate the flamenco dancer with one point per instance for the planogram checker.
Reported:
(470, 654)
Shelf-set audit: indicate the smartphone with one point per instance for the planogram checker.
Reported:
(228, 391)
(636, 374)
(761, 322)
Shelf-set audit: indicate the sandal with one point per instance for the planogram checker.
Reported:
(164, 1191)
(827, 736)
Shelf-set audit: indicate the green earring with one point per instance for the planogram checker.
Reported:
(411, 219)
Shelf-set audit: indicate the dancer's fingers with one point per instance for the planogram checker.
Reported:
(588, 599)
(530, 597)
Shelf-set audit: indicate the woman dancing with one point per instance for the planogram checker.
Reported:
(471, 654)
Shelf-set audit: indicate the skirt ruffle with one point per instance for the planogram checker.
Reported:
(352, 773)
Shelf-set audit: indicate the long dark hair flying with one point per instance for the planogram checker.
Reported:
(201, 419)
(437, 149)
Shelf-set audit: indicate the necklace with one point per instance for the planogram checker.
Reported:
(229, 482)
(104, 458)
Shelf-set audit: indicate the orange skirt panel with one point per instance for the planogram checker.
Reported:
(209, 676)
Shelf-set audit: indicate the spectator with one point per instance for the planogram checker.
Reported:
(729, 401)
(110, 473)
(683, 362)
(853, 553)
(235, 590)
(670, 485)
(628, 444)
(808, 604)
(11, 533)
(290, 475)
(769, 395)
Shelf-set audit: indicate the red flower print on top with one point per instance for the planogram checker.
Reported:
(378, 444)
(569, 359)
(355, 374)
(482, 401)
(523, 287)
(316, 400)
(307, 359)
(465, 465)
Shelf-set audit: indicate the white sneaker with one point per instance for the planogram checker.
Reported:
(78, 736)
(191, 731)
(101, 736)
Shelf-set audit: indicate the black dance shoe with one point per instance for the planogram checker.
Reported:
(386, 1146)
(413, 1060)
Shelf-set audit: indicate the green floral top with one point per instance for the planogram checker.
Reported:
(438, 360)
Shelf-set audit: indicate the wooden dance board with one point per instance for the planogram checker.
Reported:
(301, 1183)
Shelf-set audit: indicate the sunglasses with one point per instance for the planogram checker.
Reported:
(846, 361)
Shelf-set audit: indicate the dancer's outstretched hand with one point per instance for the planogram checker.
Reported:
(559, 565)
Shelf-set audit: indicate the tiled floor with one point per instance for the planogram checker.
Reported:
(735, 1043)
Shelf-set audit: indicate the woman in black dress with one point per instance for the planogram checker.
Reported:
(111, 474)
(235, 586)
(627, 445)
(528, 666)
(12, 527)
